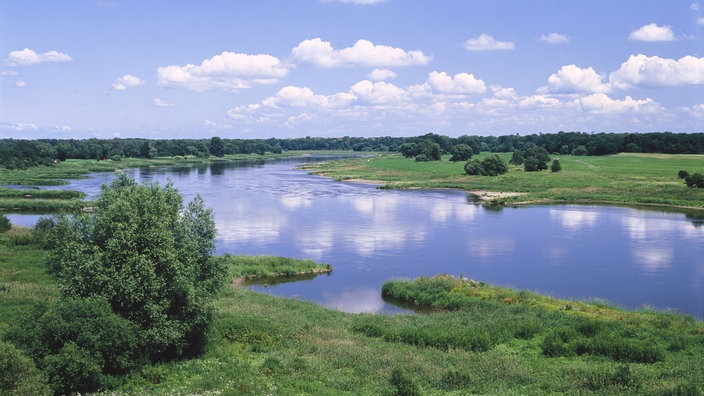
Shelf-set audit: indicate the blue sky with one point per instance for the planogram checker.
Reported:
(290, 68)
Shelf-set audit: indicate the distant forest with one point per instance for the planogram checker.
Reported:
(20, 154)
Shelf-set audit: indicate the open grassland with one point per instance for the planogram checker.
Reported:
(479, 339)
(632, 179)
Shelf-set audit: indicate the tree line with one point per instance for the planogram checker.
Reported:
(20, 154)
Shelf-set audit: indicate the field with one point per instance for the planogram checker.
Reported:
(477, 339)
(631, 179)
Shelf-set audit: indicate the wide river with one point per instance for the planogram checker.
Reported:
(628, 257)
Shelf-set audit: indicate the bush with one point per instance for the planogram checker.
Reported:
(461, 152)
(579, 151)
(682, 174)
(492, 165)
(79, 344)
(18, 374)
(473, 167)
(421, 158)
(5, 224)
(555, 166)
(695, 180)
(405, 384)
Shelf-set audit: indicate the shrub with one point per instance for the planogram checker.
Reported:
(421, 158)
(579, 151)
(473, 167)
(492, 165)
(555, 166)
(5, 224)
(695, 180)
(682, 174)
(18, 374)
(405, 384)
(461, 152)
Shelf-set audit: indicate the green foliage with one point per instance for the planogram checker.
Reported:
(682, 174)
(251, 267)
(555, 166)
(79, 344)
(579, 151)
(18, 374)
(422, 158)
(491, 165)
(695, 180)
(5, 224)
(217, 147)
(149, 257)
(461, 152)
(405, 384)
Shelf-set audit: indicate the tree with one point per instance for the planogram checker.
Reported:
(579, 151)
(461, 152)
(217, 147)
(149, 257)
(682, 174)
(430, 149)
(555, 166)
(517, 158)
(493, 165)
(473, 167)
(695, 180)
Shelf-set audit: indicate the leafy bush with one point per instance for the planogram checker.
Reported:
(461, 152)
(555, 166)
(492, 165)
(18, 374)
(422, 158)
(79, 344)
(5, 224)
(682, 174)
(695, 180)
(404, 383)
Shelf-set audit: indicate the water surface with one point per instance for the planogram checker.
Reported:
(629, 257)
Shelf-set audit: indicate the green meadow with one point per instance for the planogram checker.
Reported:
(630, 179)
(474, 339)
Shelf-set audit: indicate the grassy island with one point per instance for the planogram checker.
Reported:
(625, 179)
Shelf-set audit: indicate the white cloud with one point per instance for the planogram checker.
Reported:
(486, 42)
(600, 103)
(641, 70)
(29, 57)
(127, 81)
(381, 75)
(362, 53)
(227, 71)
(378, 92)
(64, 128)
(162, 103)
(461, 83)
(9, 73)
(554, 38)
(571, 79)
(652, 32)
(20, 84)
(700, 21)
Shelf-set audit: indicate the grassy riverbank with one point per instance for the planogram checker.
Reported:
(479, 340)
(631, 179)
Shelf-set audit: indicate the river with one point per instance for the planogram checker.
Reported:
(628, 257)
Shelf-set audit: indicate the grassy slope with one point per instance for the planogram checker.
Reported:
(262, 344)
(647, 179)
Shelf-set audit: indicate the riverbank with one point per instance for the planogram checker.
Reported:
(624, 179)
(480, 339)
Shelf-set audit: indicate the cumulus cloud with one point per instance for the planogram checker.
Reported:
(486, 42)
(381, 74)
(162, 103)
(600, 103)
(29, 57)
(554, 38)
(653, 71)
(652, 32)
(227, 71)
(700, 21)
(20, 84)
(127, 81)
(9, 73)
(378, 92)
(362, 53)
(573, 79)
(461, 83)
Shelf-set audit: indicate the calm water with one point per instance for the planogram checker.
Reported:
(632, 258)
